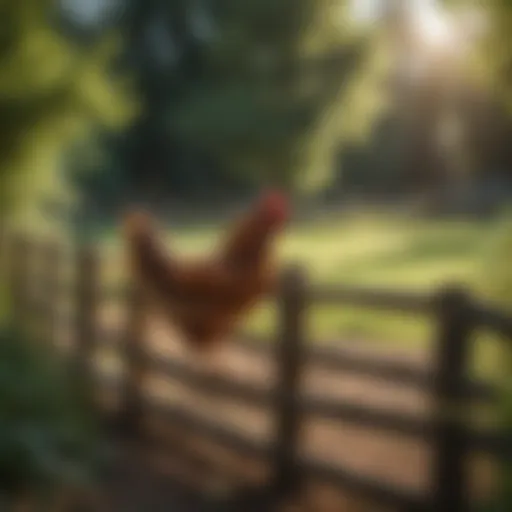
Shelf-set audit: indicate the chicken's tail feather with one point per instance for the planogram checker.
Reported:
(148, 259)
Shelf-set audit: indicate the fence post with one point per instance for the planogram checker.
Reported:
(135, 361)
(51, 284)
(290, 352)
(86, 315)
(451, 441)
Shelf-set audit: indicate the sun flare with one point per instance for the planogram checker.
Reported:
(433, 25)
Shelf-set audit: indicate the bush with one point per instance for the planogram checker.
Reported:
(48, 438)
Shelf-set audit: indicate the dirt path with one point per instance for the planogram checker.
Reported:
(393, 459)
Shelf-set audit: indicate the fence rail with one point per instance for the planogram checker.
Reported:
(313, 406)
(340, 359)
(455, 313)
(318, 469)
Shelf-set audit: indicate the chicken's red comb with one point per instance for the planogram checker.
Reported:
(274, 205)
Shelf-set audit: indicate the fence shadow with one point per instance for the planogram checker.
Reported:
(450, 434)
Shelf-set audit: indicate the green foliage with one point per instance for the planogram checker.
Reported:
(493, 54)
(497, 50)
(265, 91)
(278, 90)
(52, 94)
(47, 435)
(496, 271)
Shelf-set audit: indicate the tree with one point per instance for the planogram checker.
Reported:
(489, 23)
(269, 100)
(495, 59)
(163, 54)
(53, 93)
(239, 93)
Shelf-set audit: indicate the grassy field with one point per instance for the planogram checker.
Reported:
(370, 250)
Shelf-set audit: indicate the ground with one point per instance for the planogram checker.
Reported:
(394, 459)
(396, 253)
(384, 250)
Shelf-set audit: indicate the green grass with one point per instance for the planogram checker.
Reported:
(381, 251)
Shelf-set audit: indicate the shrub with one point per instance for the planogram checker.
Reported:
(48, 436)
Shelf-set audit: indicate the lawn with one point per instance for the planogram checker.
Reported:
(381, 251)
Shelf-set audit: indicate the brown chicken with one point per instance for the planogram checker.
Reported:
(204, 299)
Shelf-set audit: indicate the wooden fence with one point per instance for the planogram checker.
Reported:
(456, 314)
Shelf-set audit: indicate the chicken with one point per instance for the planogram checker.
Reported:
(205, 299)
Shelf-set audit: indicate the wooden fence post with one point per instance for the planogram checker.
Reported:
(451, 441)
(86, 315)
(135, 361)
(50, 267)
(290, 352)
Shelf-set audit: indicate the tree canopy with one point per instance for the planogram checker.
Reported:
(490, 22)
(242, 93)
(53, 91)
(278, 89)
